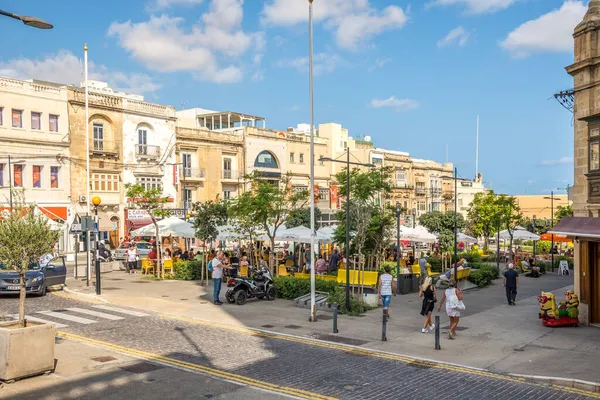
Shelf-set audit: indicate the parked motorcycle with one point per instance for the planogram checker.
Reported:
(261, 286)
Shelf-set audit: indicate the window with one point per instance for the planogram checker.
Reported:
(142, 142)
(36, 120)
(266, 159)
(53, 123)
(324, 194)
(1, 174)
(186, 160)
(594, 143)
(292, 158)
(18, 175)
(226, 194)
(17, 118)
(400, 176)
(37, 176)
(421, 206)
(301, 158)
(320, 160)
(105, 182)
(98, 137)
(1, 116)
(435, 206)
(187, 198)
(227, 168)
(54, 172)
(460, 202)
(150, 182)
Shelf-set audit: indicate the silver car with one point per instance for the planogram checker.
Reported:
(120, 254)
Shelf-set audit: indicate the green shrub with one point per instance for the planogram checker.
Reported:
(356, 307)
(543, 246)
(480, 277)
(559, 258)
(291, 288)
(489, 268)
(471, 256)
(436, 264)
(187, 270)
(543, 266)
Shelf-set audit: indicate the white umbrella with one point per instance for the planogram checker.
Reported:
(229, 232)
(519, 234)
(171, 226)
(465, 238)
(406, 233)
(325, 234)
(424, 236)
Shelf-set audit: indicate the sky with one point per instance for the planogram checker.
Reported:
(412, 75)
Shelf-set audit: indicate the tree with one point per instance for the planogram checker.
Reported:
(483, 216)
(561, 212)
(443, 225)
(24, 238)
(152, 201)
(301, 217)
(510, 215)
(208, 216)
(242, 211)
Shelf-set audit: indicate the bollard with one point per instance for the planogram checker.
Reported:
(437, 333)
(384, 327)
(335, 315)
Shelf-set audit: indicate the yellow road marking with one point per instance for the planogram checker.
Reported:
(303, 394)
(377, 354)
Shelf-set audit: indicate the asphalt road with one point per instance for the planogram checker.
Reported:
(292, 366)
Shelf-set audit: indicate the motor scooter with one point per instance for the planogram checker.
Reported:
(261, 286)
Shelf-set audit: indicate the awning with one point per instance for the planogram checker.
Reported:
(557, 238)
(54, 212)
(578, 227)
(138, 223)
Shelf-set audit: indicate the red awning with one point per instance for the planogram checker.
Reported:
(138, 223)
(578, 227)
(54, 212)
(557, 238)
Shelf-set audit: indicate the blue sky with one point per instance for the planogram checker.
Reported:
(412, 75)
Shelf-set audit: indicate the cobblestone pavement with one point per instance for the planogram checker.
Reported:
(329, 370)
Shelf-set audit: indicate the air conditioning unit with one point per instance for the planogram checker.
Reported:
(82, 199)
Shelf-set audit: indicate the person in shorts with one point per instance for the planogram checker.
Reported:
(386, 290)
(132, 258)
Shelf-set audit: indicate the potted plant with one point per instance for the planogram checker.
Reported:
(26, 348)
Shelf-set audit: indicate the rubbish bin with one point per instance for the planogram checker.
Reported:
(415, 280)
(405, 283)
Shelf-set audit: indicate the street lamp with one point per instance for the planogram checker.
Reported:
(348, 163)
(10, 179)
(313, 306)
(29, 21)
(455, 177)
(552, 198)
(398, 212)
(414, 224)
(535, 232)
(96, 202)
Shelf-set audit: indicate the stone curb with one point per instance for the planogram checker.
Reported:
(572, 383)
(85, 295)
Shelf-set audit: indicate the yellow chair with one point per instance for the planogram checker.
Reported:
(371, 278)
(281, 271)
(342, 265)
(244, 271)
(147, 265)
(416, 270)
(432, 274)
(168, 266)
(289, 263)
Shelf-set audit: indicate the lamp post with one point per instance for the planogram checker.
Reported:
(535, 232)
(398, 254)
(455, 177)
(313, 306)
(348, 163)
(414, 224)
(28, 20)
(96, 202)
(10, 179)
(552, 198)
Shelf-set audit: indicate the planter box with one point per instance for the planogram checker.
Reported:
(26, 351)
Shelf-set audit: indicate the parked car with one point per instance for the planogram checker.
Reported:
(40, 276)
(120, 254)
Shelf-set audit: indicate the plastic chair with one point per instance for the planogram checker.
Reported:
(147, 265)
(168, 265)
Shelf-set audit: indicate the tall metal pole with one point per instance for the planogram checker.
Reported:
(87, 159)
(97, 263)
(552, 219)
(398, 245)
(10, 183)
(535, 232)
(477, 150)
(348, 229)
(313, 307)
(498, 247)
(455, 228)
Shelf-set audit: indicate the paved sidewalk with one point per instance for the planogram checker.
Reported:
(492, 335)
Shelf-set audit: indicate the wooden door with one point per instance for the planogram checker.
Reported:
(594, 283)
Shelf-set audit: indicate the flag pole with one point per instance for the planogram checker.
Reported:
(313, 306)
(87, 158)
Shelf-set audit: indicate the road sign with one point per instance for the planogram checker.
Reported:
(75, 228)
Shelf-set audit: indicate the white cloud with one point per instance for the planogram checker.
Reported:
(475, 6)
(353, 21)
(65, 67)
(562, 160)
(323, 63)
(162, 4)
(550, 32)
(395, 103)
(379, 63)
(162, 44)
(294, 108)
(457, 36)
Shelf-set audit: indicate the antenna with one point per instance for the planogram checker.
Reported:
(446, 153)
(477, 150)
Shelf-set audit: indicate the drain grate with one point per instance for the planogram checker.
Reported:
(114, 279)
(338, 339)
(267, 326)
(183, 299)
(165, 295)
(140, 281)
(141, 368)
(111, 288)
(292, 326)
(103, 359)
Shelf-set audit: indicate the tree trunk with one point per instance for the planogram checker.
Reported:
(22, 295)
(158, 251)
(271, 258)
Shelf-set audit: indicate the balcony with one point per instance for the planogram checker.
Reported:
(104, 148)
(194, 174)
(420, 190)
(229, 175)
(148, 152)
(403, 185)
(435, 191)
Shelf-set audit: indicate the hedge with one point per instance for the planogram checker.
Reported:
(187, 270)
(291, 288)
(482, 274)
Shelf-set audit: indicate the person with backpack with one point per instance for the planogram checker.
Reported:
(216, 266)
(453, 298)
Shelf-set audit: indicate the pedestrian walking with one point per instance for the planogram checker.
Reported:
(427, 291)
(452, 297)
(386, 289)
(511, 281)
(423, 267)
(217, 276)
(132, 258)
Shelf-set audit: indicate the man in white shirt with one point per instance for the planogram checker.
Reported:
(217, 276)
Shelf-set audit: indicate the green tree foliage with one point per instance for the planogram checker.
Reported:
(510, 215)
(483, 216)
(152, 201)
(301, 217)
(24, 237)
(443, 225)
(208, 216)
(562, 211)
(242, 211)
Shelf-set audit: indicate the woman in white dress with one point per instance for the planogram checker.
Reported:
(453, 312)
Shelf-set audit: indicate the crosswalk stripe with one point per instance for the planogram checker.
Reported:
(120, 310)
(68, 317)
(43, 321)
(95, 313)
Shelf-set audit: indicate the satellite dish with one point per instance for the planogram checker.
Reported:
(367, 138)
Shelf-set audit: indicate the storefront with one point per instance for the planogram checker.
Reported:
(585, 232)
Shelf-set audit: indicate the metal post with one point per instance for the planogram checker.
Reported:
(437, 333)
(414, 246)
(87, 161)
(10, 184)
(348, 230)
(455, 229)
(97, 263)
(398, 244)
(313, 306)
(384, 326)
(498, 249)
(552, 223)
(76, 253)
(535, 232)
(335, 317)
(88, 271)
